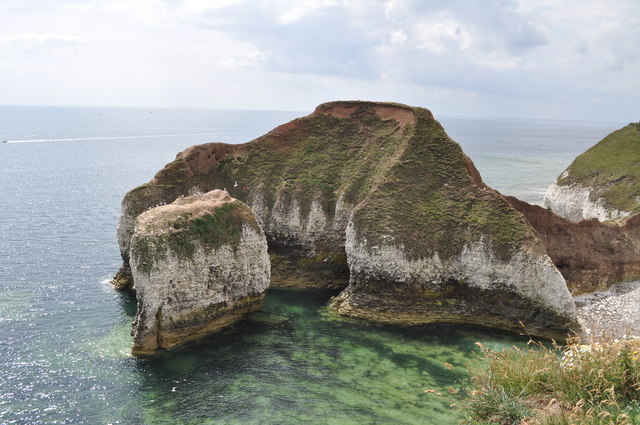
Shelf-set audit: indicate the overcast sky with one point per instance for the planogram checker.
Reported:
(503, 58)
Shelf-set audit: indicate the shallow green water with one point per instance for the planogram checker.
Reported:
(293, 362)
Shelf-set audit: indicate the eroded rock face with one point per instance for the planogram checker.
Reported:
(591, 255)
(574, 203)
(601, 183)
(474, 287)
(199, 264)
(379, 189)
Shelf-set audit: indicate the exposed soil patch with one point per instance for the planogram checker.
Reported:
(403, 115)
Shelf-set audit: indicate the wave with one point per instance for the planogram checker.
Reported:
(76, 139)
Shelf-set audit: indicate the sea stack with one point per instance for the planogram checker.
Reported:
(199, 264)
(377, 199)
(603, 182)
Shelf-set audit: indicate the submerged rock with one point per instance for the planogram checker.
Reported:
(199, 264)
(603, 182)
(377, 196)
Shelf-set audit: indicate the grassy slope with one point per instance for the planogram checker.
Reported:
(597, 383)
(612, 167)
(428, 201)
(321, 156)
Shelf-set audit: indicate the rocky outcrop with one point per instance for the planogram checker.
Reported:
(377, 195)
(611, 314)
(522, 293)
(601, 183)
(199, 264)
(591, 255)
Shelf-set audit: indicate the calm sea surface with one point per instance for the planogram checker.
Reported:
(64, 333)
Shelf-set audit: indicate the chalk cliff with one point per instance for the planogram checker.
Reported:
(603, 182)
(199, 264)
(376, 196)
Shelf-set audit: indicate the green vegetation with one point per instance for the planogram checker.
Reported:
(223, 226)
(429, 202)
(598, 383)
(321, 157)
(612, 168)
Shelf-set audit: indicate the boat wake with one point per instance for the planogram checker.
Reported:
(78, 139)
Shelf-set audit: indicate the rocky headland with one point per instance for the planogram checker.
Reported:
(374, 198)
(199, 264)
(603, 182)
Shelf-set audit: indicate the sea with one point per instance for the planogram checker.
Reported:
(65, 333)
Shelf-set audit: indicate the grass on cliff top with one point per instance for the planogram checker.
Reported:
(598, 383)
(320, 157)
(429, 202)
(210, 231)
(612, 167)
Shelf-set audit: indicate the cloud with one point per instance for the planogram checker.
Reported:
(42, 42)
(580, 54)
(354, 39)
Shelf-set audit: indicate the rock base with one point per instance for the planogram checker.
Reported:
(475, 307)
(202, 323)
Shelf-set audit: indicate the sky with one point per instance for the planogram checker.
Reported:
(574, 60)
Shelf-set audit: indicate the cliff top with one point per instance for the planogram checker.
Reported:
(158, 220)
(612, 168)
(205, 221)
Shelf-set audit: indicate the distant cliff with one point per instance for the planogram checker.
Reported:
(377, 199)
(603, 182)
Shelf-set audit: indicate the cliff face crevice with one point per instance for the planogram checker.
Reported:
(376, 196)
(591, 255)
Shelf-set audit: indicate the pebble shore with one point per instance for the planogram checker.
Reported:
(611, 314)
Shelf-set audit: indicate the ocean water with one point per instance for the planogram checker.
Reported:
(64, 332)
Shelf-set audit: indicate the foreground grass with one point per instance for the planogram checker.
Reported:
(598, 383)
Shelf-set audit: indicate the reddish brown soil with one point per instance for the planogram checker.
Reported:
(402, 114)
(591, 255)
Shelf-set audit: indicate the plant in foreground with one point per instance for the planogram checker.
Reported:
(595, 383)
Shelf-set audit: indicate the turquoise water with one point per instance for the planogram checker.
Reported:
(64, 332)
